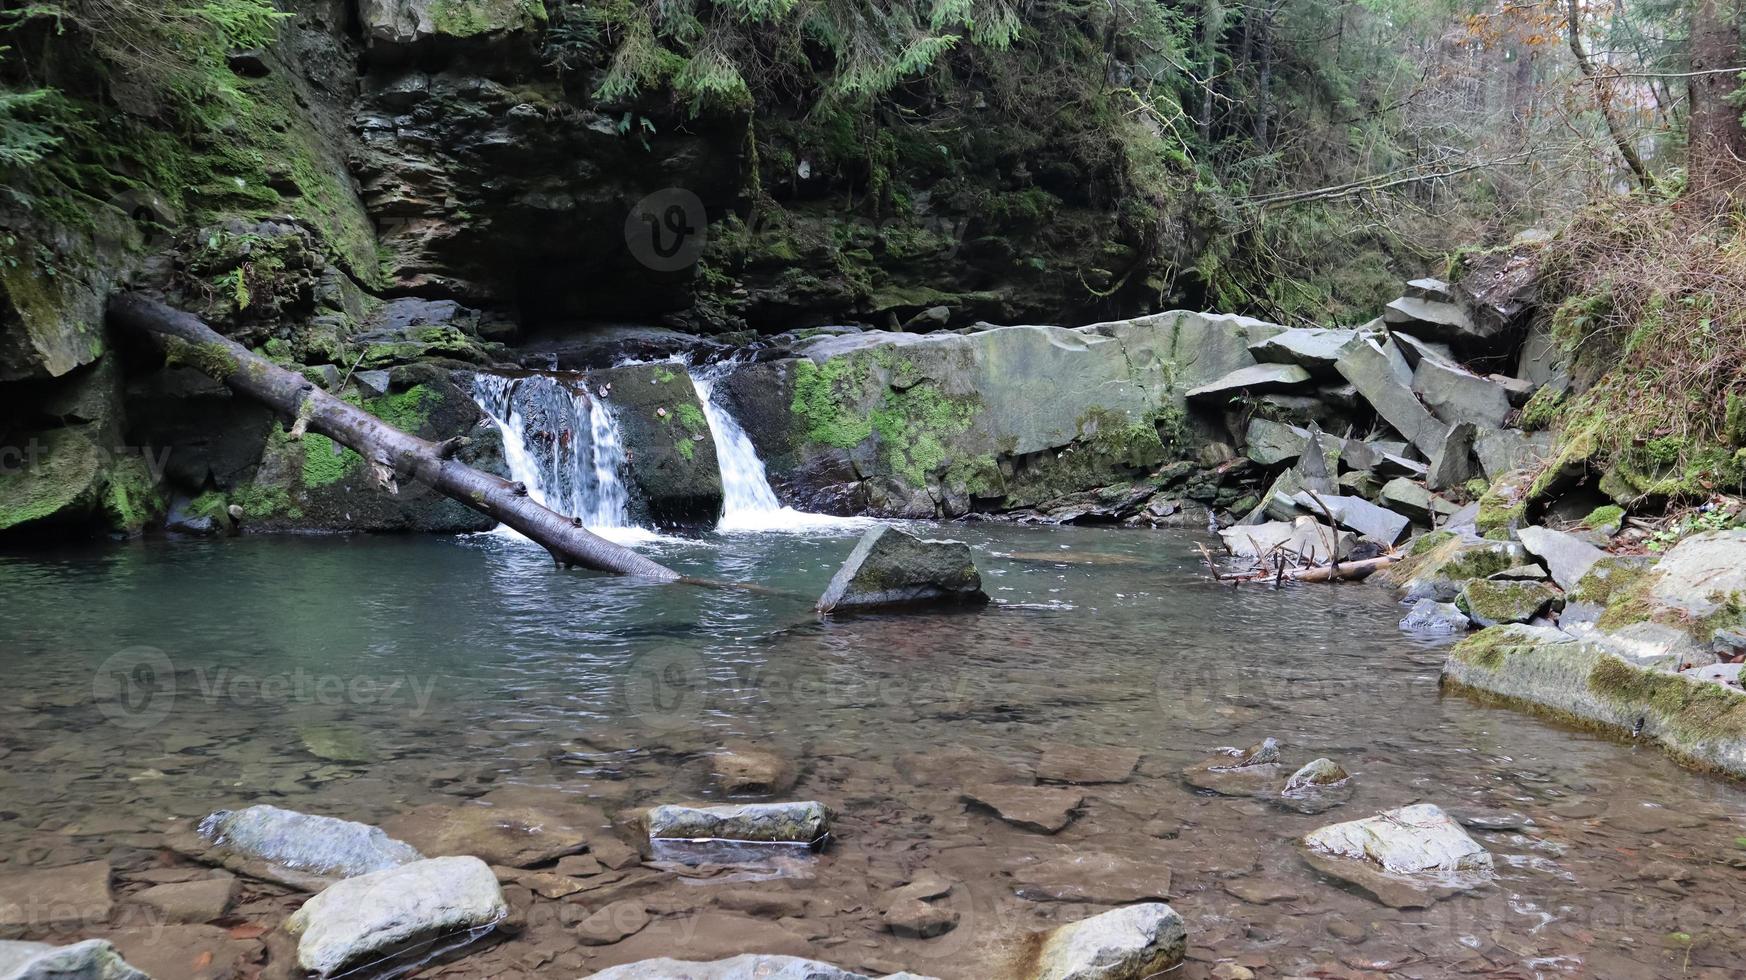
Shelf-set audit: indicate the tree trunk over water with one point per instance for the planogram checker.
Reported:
(395, 454)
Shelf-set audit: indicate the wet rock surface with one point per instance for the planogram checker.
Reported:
(1127, 944)
(890, 568)
(1035, 808)
(772, 823)
(1405, 858)
(92, 959)
(379, 913)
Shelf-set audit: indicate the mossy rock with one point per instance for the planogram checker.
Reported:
(1494, 603)
(51, 478)
(672, 466)
(1442, 562)
(1552, 673)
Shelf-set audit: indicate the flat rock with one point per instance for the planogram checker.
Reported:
(93, 959)
(1432, 319)
(1567, 557)
(191, 901)
(1131, 943)
(1093, 877)
(42, 899)
(1255, 771)
(186, 952)
(613, 923)
(769, 823)
(1504, 451)
(301, 849)
(916, 919)
(1403, 496)
(1260, 891)
(1431, 289)
(750, 966)
(1271, 443)
(1258, 377)
(1370, 520)
(891, 568)
(1454, 394)
(1703, 574)
(742, 769)
(1085, 764)
(1314, 348)
(365, 917)
(1406, 858)
(514, 836)
(1037, 808)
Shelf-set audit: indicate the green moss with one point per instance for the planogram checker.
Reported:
(212, 503)
(686, 447)
(1487, 648)
(325, 462)
(1689, 710)
(214, 360)
(1425, 543)
(692, 418)
(1503, 602)
(61, 480)
(825, 399)
(468, 18)
(915, 427)
(1734, 419)
(1542, 409)
(1501, 510)
(1608, 516)
(664, 376)
(132, 499)
(409, 410)
(262, 502)
(1608, 579)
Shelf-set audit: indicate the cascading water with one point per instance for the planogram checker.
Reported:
(749, 503)
(563, 445)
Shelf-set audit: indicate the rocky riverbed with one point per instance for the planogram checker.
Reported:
(977, 795)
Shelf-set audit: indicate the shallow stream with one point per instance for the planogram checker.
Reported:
(360, 677)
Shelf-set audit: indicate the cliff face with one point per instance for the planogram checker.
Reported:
(324, 195)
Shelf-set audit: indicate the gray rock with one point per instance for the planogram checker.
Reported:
(1303, 537)
(1317, 772)
(93, 959)
(1271, 443)
(1406, 858)
(751, 966)
(1519, 391)
(305, 844)
(1431, 616)
(1395, 465)
(1521, 573)
(1034, 808)
(1493, 603)
(1503, 451)
(1130, 943)
(1442, 571)
(1454, 394)
(1652, 645)
(1433, 290)
(1453, 464)
(1315, 470)
(1406, 497)
(1371, 368)
(891, 568)
(1703, 574)
(767, 823)
(1377, 523)
(1418, 351)
(1567, 557)
(1430, 319)
(671, 462)
(1259, 377)
(365, 917)
(1314, 348)
(1725, 674)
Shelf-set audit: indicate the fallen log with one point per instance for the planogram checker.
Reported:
(395, 455)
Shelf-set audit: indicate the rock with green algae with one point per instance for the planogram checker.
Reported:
(766, 823)
(56, 478)
(1490, 602)
(1439, 564)
(1547, 670)
(672, 464)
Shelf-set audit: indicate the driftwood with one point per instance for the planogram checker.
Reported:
(1272, 567)
(393, 455)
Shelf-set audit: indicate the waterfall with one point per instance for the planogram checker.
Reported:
(749, 503)
(563, 445)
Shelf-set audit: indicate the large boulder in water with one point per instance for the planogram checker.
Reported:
(891, 568)
(1130, 943)
(671, 457)
(300, 849)
(93, 959)
(383, 912)
(751, 966)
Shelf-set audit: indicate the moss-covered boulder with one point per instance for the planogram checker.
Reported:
(1553, 672)
(1438, 565)
(50, 479)
(998, 419)
(673, 470)
(1492, 603)
(1697, 589)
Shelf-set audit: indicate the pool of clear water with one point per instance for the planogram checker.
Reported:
(361, 677)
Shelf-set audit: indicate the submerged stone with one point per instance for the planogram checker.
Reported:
(1406, 858)
(1043, 810)
(93, 959)
(1431, 616)
(69, 896)
(891, 568)
(772, 823)
(1254, 771)
(1093, 877)
(380, 913)
(750, 966)
(304, 845)
(515, 836)
(1130, 943)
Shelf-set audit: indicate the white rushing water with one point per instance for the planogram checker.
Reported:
(565, 447)
(749, 503)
